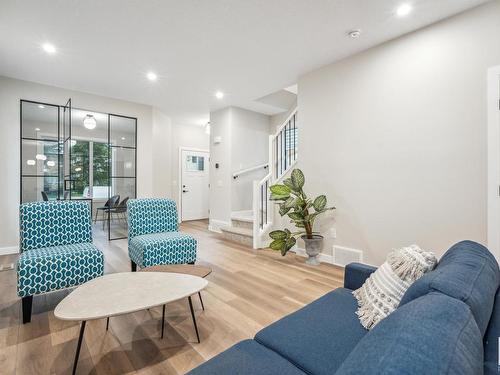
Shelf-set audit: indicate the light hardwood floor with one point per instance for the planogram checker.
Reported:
(248, 289)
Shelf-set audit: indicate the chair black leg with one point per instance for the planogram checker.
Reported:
(133, 266)
(27, 302)
(194, 318)
(107, 323)
(190, 262)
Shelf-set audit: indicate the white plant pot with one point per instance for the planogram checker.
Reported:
(313, 248)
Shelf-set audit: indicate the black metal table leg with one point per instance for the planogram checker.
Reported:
(80, 339)
(107, 323)
(201, 300)
(162, 321)
(194, 319)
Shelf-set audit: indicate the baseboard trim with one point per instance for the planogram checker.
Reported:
(215, 225)
(324, 258)
(9, 250)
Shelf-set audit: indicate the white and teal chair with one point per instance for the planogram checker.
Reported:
(56, 249)
(153, 236)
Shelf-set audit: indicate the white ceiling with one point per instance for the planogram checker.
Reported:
(245, 48)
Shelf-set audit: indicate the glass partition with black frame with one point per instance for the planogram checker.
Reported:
(40, 151)
(70, 153)
(122, 170)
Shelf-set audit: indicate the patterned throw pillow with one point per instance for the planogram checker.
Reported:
(382, 291)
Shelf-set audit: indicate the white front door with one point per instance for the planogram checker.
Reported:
(194, 185)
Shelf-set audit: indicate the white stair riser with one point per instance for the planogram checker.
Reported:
(239, 238)
(241, 223)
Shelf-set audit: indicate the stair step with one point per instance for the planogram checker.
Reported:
(238, 234)
(245, 216)
(238, 230)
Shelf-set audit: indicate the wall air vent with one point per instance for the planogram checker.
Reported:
(342, 256)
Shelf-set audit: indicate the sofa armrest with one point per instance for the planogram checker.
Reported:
(355, 275)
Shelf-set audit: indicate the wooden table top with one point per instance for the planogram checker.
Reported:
(188, 269)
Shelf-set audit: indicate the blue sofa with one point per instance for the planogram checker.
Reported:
(448, 322)
(56, 249)
(153, 236)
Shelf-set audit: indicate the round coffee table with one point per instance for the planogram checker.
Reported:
(186, 269)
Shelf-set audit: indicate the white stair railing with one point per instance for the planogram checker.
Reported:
(283, 154)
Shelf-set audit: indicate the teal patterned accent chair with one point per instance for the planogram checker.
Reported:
(153, 236)
(56, 249)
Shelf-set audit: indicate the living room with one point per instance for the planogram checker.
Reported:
(313, 188)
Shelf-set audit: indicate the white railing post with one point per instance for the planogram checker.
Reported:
(256, 216)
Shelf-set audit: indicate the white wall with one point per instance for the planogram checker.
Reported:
(250, 147)
(244, 143)
(396, 137)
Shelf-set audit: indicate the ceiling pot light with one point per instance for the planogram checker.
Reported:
(89, 122)
(49, 48)
(40, 157)
(219, 94)
(51, 163)
(403, 10)
(30, 162)
(123, 138)
(354, 34)
(41, 106)
(152, 76)
(37, 129)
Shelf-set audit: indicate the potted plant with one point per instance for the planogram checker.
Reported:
(302, 211)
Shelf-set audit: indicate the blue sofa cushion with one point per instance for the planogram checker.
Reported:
(247, 358)
(151, 215)
(491, 341)
(318, 337)
(433, 334)
(468, 272)
(58, 267)
(54, 223)
(162, 248)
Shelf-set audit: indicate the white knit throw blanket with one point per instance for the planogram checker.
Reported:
(382, 291)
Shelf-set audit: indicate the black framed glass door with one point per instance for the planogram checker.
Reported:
(71, 153)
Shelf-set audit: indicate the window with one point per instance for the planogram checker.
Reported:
(195, 163)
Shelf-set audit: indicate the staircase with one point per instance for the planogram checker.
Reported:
(252, 227)
(241, 228)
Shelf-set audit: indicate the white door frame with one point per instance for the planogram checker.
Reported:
(493, 139)
(179, 192)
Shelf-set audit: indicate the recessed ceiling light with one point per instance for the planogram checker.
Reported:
(219, 94)
(41, 106)
(354, 34)
(37, 129)
(123, 138)
(49, 48)
(41, 157)
(152, 76)
(404, 10)
(30, 162)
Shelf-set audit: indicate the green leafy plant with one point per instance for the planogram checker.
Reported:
(302, 211)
